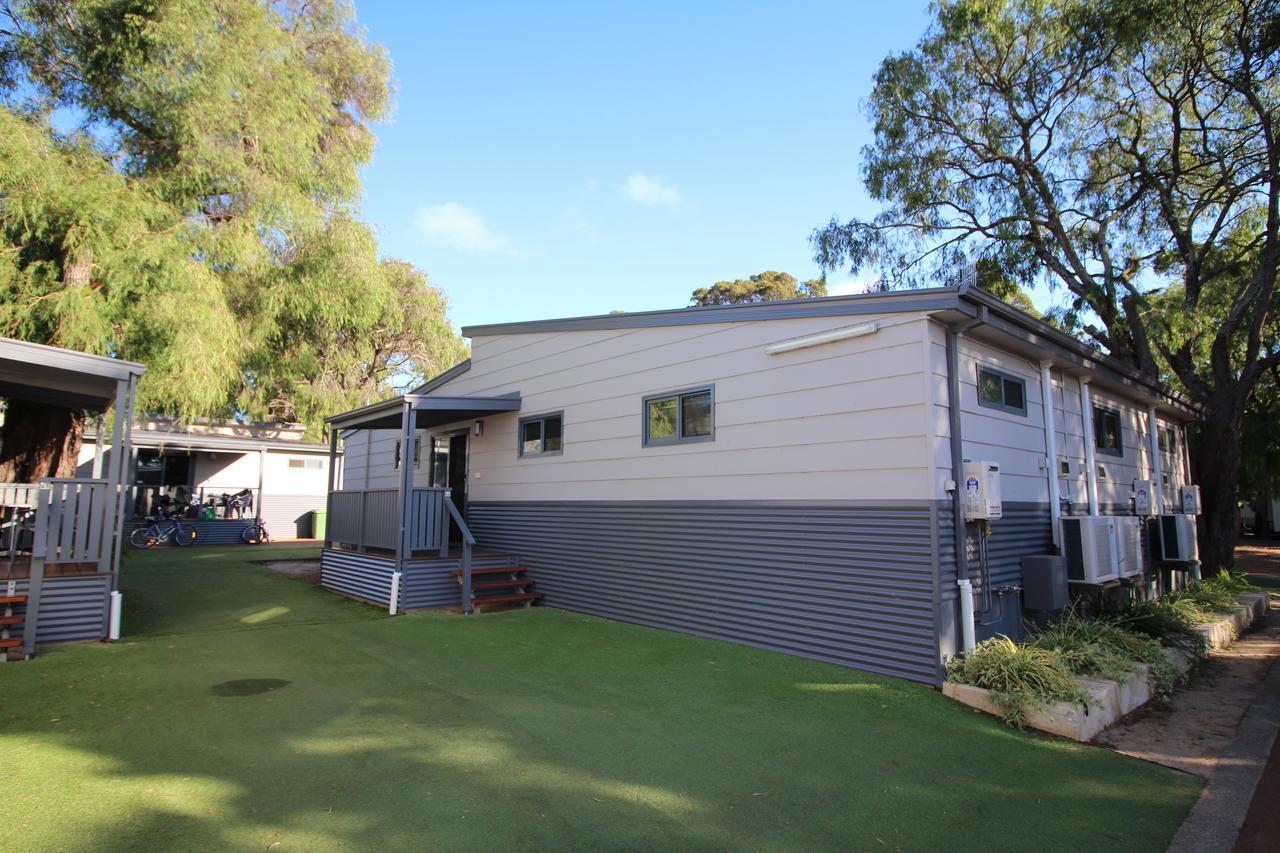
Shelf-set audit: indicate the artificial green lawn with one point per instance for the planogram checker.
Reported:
(535, 729)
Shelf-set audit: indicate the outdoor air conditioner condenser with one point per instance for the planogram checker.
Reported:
(1090, 545)
(1178, 538)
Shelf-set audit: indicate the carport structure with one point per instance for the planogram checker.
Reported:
(62, 537)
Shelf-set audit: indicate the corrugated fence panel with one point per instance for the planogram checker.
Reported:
(842, 583)
(381, 519)
(218, 531)
(71, 608)
(289, 516)
(430, 583)
(358, 575)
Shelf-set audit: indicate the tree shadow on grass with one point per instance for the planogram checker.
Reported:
(532, 730)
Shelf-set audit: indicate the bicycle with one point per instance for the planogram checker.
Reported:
(255, 534)
(183, 535)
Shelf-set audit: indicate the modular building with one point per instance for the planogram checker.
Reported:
(793, 475)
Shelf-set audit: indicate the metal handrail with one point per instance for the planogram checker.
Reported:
(467, 542)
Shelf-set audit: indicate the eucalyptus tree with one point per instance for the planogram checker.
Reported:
(761, 287)
(179, 183)
(1123, 151)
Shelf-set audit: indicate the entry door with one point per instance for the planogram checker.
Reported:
(449, 469)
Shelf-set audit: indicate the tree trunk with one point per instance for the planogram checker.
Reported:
(39, 440)
(1217, 468)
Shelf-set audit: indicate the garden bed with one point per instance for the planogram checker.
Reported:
(1106, 699)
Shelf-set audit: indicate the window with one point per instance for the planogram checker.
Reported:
(417, 453)
(310, 464)
(1001, 391)
(679, 416)
(542, 435)
(1165, 440)
(1106, 432)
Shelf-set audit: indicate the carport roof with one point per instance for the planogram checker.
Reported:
(61, 377)
(428, 411)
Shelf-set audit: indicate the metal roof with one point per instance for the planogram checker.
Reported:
(428, 411)
(217, 443)
(58, 376)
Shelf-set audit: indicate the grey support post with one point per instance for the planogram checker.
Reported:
(404, 485)
(333, 454)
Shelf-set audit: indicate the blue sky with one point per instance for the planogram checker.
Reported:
(558, 159)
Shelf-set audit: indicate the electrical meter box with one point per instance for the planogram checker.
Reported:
(1143, 492)
(980, 491)
(1190, 500)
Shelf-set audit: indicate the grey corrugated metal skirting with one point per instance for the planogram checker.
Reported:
(851, 584)
(71, 608)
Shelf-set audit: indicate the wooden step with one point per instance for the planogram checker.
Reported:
(13, 599)
(499, 570)
(10, 643)
(521, 582)
(12, 620)
(480, 601)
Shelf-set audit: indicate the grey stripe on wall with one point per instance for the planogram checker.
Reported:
(851, 584)
(1023, 530)
(71, 608)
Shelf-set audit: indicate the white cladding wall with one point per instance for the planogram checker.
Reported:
(1017, 442)
(841, 421)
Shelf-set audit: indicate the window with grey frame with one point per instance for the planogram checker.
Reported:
(417, 453)
(1107, 436)
(541, 435)
(679, 416)
(1003, 391)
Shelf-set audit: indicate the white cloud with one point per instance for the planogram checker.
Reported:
(857, 285)
(643, 189)
(457, 227)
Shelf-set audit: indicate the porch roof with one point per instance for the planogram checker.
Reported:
(428, 411)
(62, 377)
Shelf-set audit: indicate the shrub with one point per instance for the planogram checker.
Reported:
(1104, 647)
(1170, 620)
(1021, 678)
(1220, 592)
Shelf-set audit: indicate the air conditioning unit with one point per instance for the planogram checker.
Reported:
(1178, 538)
(1090, 545)
(1129, 545)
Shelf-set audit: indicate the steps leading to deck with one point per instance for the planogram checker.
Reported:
(499, 588)
(8, 619)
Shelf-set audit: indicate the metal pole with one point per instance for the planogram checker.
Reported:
(328, 503)
(97, 448)
(257, 505)
(45, 503)
(1090, 460)
(404, 484)
(1157, 472)
(1051, 447)
(126, 453)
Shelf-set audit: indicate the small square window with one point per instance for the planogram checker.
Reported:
(542, 435)
(1107, 432)
(998, 390)
(679, 416)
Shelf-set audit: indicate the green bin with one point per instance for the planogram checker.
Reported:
(319, 519)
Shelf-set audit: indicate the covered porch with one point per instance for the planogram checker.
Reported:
(61, 538)
(410, 547)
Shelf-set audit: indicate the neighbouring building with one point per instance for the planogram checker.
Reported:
(285, 477)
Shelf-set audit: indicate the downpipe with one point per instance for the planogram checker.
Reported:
(113, 621)
(967, 629)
